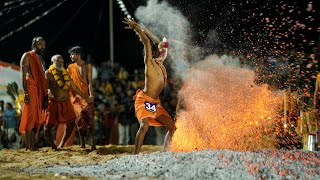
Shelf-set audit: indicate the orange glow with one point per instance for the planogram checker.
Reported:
(224, 109)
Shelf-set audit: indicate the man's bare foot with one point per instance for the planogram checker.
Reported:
(163, 150)
(134, 152)
(34, 149)
(93, 148)
(53, 147)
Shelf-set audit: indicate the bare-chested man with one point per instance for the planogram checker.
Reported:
(149, 110)
(60, 109)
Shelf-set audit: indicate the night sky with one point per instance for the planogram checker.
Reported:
(259, 26)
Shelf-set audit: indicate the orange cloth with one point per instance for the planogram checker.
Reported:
(63, 111)
(59, 112)
(59, 134)
(79, 104)
(77, 79)
(141, 101)
(32, 115)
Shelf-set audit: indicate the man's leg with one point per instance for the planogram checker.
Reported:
(144, 125)
(33, 139)
(169, 124)
(81, 137)
(160, 134)
(121, 134)
(28, 138)
(91, 134)
(23, 141)
(48, 133)
(67, 133)
(133, 131)
(127, 134)
(36, 142)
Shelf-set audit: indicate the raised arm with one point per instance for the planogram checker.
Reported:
(153, 37)
(144, 38)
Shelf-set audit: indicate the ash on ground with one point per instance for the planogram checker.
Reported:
(207, 164)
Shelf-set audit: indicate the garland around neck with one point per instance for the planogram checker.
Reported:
(65, 83)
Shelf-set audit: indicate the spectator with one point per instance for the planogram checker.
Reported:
(10, 119)
(1, 113)
(108, 121)
(124, 123)
(122, 74)
(106, 71)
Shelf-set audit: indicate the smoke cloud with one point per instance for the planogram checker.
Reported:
(167, 21)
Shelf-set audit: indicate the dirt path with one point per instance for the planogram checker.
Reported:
(12, 161)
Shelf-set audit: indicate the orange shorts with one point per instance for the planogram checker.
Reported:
(145, 106)
(59, 112)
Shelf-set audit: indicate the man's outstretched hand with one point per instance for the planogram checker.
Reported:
(130, 22)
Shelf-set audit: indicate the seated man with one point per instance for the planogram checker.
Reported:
(60, 109)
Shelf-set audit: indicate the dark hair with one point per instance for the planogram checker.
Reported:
(78, 50)
(2, 105)
(9, 104)
(35, 40)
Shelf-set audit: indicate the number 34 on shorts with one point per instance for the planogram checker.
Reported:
(150, 106)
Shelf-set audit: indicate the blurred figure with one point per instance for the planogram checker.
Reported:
(1, 113)
(107, 121)
(124, 121)
(114, 115)
(122, 74)
(106, 71)
(10, 119)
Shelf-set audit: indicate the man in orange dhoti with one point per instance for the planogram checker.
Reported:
(35, 91)
(60, 109)
(81, 74)
(149, 110)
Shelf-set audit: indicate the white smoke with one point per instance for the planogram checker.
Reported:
(165, 20)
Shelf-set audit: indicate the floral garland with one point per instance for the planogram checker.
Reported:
(163, 49)
(65, 84)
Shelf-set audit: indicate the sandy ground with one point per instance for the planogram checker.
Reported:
(13, 162)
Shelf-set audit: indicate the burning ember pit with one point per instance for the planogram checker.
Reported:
(224, 109)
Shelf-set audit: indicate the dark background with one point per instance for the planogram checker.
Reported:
(239, 25)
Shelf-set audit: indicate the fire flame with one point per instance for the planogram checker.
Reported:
(224, 109)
